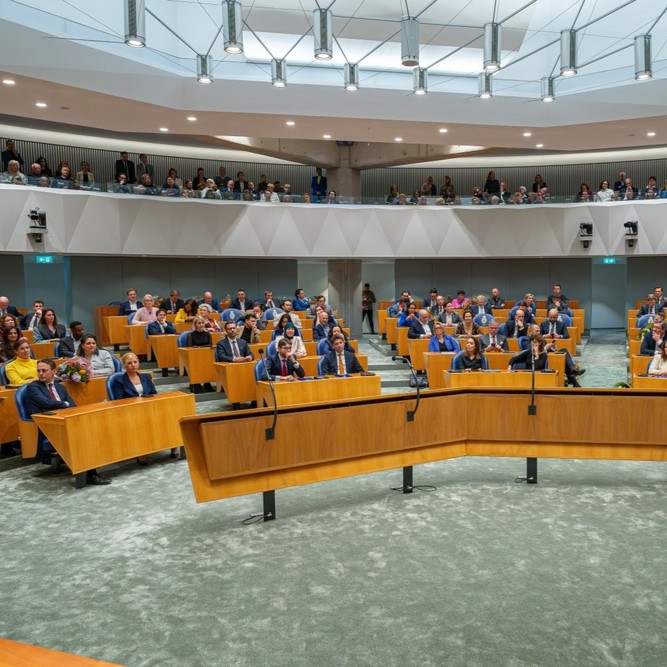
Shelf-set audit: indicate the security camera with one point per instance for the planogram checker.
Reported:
(37, 224)
(631, 232)
(586, 233)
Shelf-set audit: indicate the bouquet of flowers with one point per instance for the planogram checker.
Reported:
(76, 369)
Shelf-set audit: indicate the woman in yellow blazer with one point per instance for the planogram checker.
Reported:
(188, 313)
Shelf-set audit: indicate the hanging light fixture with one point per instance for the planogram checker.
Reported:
(351, 77)
(323, 34)
(204, 68)
(643, 65)
(279, 73)
(568, 52)
(548, 89)
(232, 27)
(492, 47)
(409, 42)
(419, 81)
(485, 91)
(135, 23)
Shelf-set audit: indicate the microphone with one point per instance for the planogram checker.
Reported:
(270, 433)
(411, 413)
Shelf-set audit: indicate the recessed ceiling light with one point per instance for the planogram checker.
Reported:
(539, 145)
(443, 130)
(8, 82)
(192, 118)
(650, 134)
(398, 139)
(164, 129)
(326, 136)
(41, 105)
(290, 123)
(527, 134)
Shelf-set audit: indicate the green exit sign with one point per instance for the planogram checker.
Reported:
(44, 259)
(609, 260)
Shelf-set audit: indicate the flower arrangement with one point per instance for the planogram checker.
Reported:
(76, 369)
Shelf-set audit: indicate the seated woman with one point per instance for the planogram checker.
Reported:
(279, 329)
(604, 193)
(467, 328)
(99, 358)
(147, 313)
(658, 365)
(441, 341)
(392, 197)
(10, 320)
(188, 190)
(199, 337)
(209, 323)
(132, 384)
(415, 197)
(13, 174)
(336, 330)
(188, 313)
(24, 368)
(409, 316)
(9, 336)
(522, 360)
(85, 177)
(48, 327)
(585, 193)
(291, 334)
(472, 359)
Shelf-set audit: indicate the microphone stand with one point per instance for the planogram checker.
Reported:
(532, 408)
(270, 433)
(411, 413)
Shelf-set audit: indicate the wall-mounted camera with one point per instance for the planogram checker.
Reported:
(586, 233)
(37, 224)
(631, 232)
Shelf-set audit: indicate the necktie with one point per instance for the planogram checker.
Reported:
(173, 308)
(650, 310)
(493, 341)
(161, 328)
(53, 393)
(283, 371)
(553, 329)
(235, 350)
(341, 365)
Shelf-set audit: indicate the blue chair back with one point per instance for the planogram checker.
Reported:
(271, 348)
(109, 382)
(260, 371)
(117, 363)
(323, 346)
(231, 315)
(502, 329)
(270, 313)
(644, 321)
(183, 339)
(482, 319)
(3, 373)
(130, 317)
(320, 366)
(21, 403)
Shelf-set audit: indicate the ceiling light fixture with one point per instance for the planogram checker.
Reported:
(548, 89)
(443, 130)
(135, 23)
(278, 73)
(351, 77)
(484, 89)
(419, 81)
(8, 82)
(492, 47)
(650, 134)
(568, 52)
(527, 134)
(323, 34)
(326, 136)
(41, 105)
(204, 67)
(164, 129)
(291, 123)
(398, 139)
(409, 42)
(232, 27)
(192, 118)
(539, 145)
(643, 66)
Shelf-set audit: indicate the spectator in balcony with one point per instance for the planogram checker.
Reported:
(170, 189)
(428, 188)
(199, 181)
(146, 186)
(663, 191)
(584, 194)
(174, 174)
(492, 185)
(447, 188)
(44, 166)
(270, 195)
(123, 187)
(619, 185)
(651, 190)
(145, 167)
(13, 175)
(538, 184)
(604, 193)
(221, 178)
(229, 192)
(125, 166)
(504, 196)
(65, 180)
(318, 185)
(11, 153)
(35, 174)
(263, 182)
(188, 190)
(210, 191)
(59, 168)
(392, 197)
(415, 197)
(85, 177)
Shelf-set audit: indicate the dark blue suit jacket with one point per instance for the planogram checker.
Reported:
(126, 309)
(330, 363)
(121, 387)
(319, 332)
(561, 329)
(274, 367)
(13, 310)
(153, 328)
(223, 350)
(214, 304)
(39, 400)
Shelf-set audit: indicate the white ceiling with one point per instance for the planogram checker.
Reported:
(70, 53)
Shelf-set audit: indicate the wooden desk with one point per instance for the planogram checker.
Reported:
(44, 349)
(521, 379)
(402, 341)
(9, 416)
(94, 391)
(634, 347)
(654, 383)
(228, 455)
(92, 436)
(18, 654)
(568, 344)
(382, 321)
(101, 326)
(29, 334)
(165, 349)
(392, 330)
(115, 329)
(237, 379)
(416, 349)
(198, 361)
(136, 336)
(639, 364)
(317, 391)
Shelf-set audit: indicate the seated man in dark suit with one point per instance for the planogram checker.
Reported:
(450, 316)
(208, 299)
(321, 330)
(654, 338)
(160, 326)
(46, 394)
(242, 302)
(481, 307)
(69, 345)
(174, 303)
(650, 307)
(556, 292)
(7, 309)
(132, 305)
(421, 327)
(493, 341)
(232, 348)
(340, 362)
(282, 366)
(496, 301)
(572, 371)
(552, 328)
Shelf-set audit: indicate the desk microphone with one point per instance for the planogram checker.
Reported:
(270, 433)
(411, 413)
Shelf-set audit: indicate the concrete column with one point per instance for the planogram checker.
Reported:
(345, 291)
